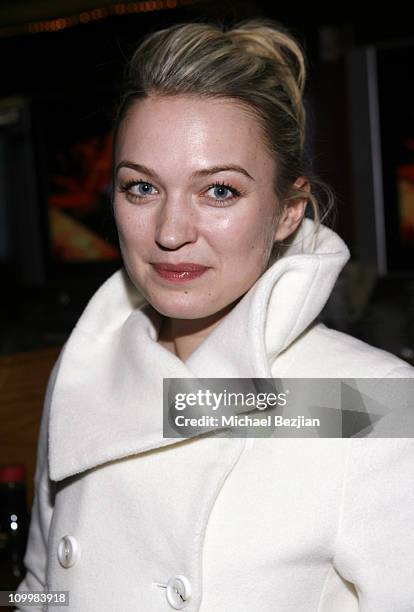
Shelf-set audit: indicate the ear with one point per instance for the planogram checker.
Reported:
(293, 213)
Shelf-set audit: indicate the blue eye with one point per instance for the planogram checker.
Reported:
(220, 191)
(127, 188)
(145, 187)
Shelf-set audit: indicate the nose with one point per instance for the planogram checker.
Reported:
(176, 223)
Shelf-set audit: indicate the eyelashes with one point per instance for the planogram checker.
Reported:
(218, 185)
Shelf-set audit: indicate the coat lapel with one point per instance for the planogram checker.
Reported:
(108, 395)
(276, 310)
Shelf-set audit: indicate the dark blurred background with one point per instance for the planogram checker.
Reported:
(60, 73)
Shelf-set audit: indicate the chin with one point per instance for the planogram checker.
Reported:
(181, 309)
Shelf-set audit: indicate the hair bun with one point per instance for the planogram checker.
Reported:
(266, 38)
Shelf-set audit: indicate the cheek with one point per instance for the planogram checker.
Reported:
(249, 235)
(261, 231)
(133, 229)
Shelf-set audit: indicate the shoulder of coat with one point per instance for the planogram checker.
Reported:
(321, 351)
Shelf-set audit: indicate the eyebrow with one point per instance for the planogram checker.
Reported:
(195, 174)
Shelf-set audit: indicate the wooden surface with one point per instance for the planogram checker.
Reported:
(23, 380)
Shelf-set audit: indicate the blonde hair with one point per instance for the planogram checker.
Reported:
(258, 63)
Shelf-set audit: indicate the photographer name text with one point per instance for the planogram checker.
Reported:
(270, 420)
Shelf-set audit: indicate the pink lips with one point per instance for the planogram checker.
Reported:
(179, 272)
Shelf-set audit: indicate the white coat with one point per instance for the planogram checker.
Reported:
(216, 524)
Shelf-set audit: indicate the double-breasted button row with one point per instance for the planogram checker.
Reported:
(178, 588)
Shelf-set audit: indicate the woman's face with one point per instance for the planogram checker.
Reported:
(170, 153)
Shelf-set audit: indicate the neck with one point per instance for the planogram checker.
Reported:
(183, 336)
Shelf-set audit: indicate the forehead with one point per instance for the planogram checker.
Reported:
(192, 130)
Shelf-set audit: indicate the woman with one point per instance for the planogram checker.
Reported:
(225, 277)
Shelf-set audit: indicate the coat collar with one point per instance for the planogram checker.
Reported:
(106, 402)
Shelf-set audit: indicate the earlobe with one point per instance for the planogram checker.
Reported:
(287, 227)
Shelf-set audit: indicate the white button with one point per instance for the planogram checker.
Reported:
(178, 591)
(68, 551)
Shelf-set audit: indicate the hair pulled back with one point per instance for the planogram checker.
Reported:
(258, 63)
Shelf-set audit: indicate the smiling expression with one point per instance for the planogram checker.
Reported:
(195, 184)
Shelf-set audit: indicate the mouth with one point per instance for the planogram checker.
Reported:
(180, 272)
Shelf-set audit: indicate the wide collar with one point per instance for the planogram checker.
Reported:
(107, 399)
